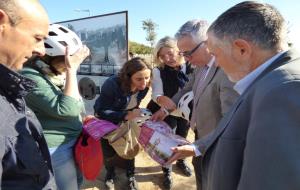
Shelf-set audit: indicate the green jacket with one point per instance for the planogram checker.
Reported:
(58, 114)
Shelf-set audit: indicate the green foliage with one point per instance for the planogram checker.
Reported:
(137, 48)
(149, 26)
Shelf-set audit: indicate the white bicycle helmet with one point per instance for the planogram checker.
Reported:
(145, 116)
(185, 105)
(59, 38)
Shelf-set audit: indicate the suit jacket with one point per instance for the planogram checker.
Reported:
(256, 145)
(214, 100)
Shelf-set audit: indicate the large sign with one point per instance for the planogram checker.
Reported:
(107, 38)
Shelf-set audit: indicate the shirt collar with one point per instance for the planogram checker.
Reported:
(13, 83)
(245, 82)
(211, 62)
(183, 67)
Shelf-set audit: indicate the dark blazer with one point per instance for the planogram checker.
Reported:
(24, 156)
(257, 144)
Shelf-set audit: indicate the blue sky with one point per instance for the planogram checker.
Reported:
(168, 14)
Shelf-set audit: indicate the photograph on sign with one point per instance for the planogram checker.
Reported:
(106, 36)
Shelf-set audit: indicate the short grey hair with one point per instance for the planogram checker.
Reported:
(10, 7)
(259, 23)
(194, 28)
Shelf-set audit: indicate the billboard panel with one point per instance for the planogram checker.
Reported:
(107, 38)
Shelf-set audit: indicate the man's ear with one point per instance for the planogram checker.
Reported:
(3, 19)
(241, 49)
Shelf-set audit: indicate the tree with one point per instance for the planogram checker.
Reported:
(149, 26)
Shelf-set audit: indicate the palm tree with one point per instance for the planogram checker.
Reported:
(149, 26)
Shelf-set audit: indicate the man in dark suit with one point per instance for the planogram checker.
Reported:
(256, 145)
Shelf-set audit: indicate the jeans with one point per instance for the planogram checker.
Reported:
(66, 172)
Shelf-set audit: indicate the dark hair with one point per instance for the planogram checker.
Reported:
(10, 7)
(260, 23)
(130, 68)
(46, 59)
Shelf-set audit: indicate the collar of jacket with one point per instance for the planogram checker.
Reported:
(14, 84)
(142, 94)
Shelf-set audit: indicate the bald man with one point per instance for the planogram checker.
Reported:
(24, 155)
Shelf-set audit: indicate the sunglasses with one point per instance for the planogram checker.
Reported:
(189, 53)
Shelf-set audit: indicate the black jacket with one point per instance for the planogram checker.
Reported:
(24, 155)
(112, 102)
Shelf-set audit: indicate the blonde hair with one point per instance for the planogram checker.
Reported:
(168, 42)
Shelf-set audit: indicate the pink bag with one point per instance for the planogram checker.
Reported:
(97, 128)
(157, 138)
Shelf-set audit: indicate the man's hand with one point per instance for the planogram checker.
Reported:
(158, 116)
(181, 152)
(166, 102)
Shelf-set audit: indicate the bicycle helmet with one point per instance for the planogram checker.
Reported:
(185, 105)
(59, 38)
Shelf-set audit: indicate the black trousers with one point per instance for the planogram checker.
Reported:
(196, 161)
(181, 125)
(112, 159)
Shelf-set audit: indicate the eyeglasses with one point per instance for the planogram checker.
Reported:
(188, 54)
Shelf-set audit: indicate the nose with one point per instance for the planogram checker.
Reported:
(187, 58)
(165, 58)
(40, 49)
(145, 81)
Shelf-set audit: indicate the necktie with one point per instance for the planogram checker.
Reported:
(200, 77)
(182, 79)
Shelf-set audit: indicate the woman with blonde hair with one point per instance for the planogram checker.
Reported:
(169, 77)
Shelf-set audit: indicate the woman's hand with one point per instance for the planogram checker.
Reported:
(73, 61)
(133, 114)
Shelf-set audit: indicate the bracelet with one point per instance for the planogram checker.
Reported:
(164, 110)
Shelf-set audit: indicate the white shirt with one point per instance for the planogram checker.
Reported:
(157, 86)
(245, 82)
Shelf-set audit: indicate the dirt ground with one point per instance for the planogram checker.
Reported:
(148, 173)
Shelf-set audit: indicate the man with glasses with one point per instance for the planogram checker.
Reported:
(188, 54)
(213, 92)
